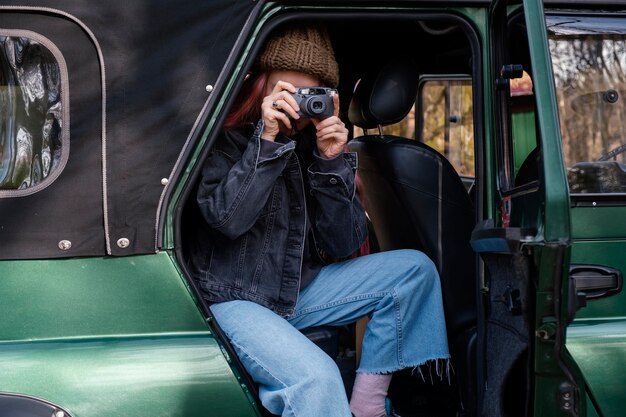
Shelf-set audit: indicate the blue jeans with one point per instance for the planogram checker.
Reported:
(399, 290)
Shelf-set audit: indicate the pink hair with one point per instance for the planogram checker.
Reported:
(247, 106)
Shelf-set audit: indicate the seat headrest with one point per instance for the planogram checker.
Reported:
(385, 96)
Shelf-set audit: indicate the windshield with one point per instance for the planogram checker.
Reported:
(589, 63)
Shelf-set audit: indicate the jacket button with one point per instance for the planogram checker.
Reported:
(333, 181)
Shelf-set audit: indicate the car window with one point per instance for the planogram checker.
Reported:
(588, 59)
(523, 130)
(33, 112)
(443, 119)
(446, 121)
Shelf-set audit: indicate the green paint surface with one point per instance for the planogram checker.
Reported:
(94, 297)
(599, 348)
(112, 337)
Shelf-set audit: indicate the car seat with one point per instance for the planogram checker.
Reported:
(415, 199)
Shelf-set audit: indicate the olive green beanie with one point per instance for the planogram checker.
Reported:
(304, 49)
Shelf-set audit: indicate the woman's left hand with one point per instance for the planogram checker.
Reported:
(332, 134)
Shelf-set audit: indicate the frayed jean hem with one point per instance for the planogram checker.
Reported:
(442, 369)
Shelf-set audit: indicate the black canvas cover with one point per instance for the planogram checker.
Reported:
(138, 72)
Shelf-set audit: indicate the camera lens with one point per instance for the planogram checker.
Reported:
(315, 106)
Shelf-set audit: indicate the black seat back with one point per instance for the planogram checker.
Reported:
(415, 199)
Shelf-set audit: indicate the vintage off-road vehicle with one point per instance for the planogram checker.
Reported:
(498, 149)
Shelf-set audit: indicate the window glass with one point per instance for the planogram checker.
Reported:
(447, 122)
(31, 113)
(589, 64)
(522, 120)
(443, 120)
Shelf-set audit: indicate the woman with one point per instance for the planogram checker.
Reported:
(278, 196)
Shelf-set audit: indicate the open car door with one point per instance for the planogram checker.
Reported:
(526, 241)
(587, 52)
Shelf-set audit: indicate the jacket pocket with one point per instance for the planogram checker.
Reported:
(227, 263)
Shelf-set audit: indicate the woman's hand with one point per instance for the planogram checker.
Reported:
(332, 134)
(276, 108)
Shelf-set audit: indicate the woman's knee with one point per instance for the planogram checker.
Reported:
(417, 269)
(414, 260)
(318, 368)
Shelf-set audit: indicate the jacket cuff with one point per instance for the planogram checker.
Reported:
(270, 150)
(331, 172)
(343, 164)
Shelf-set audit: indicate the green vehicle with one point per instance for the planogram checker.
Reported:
(503, 159)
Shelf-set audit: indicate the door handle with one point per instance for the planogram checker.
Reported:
(588, 282)
(596, 281)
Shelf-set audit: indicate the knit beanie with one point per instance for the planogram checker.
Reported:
(304, 49)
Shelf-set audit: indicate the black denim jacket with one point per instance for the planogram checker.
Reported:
(256, 198)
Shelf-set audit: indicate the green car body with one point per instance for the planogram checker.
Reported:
(117, 328)
(111, 334)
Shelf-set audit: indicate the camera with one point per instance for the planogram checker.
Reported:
(315, 101)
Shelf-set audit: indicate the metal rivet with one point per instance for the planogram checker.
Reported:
(593, 204)
(333, 181)
(65, 244)
(164, 181)
(123, 242)
(209, 88)
(58, 413)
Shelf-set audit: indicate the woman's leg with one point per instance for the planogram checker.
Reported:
(295, 377)
(399, 290)
(401, 293)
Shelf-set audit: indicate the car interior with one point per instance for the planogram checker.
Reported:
(413, 195)
(415, 199)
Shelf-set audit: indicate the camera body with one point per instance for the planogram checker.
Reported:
(315, 101)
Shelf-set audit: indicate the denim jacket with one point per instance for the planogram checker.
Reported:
(259, 203)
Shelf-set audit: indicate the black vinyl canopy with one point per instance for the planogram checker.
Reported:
(137, 73)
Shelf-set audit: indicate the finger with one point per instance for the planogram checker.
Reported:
(289, 99)
(334, 128)
(285, 101)
(336, 104)
(336, 138)
(286, 106)
(282, 118)
(330, 121)
(331, 125)
(330, 149)
(275, 103)
(335, 133)
(284, 85)
(273, 114)
(330, 141)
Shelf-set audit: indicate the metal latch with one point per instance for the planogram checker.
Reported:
(588, 282)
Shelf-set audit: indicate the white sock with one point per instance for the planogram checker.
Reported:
(368, 394)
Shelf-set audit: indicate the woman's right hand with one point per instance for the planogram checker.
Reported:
(277, 108)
